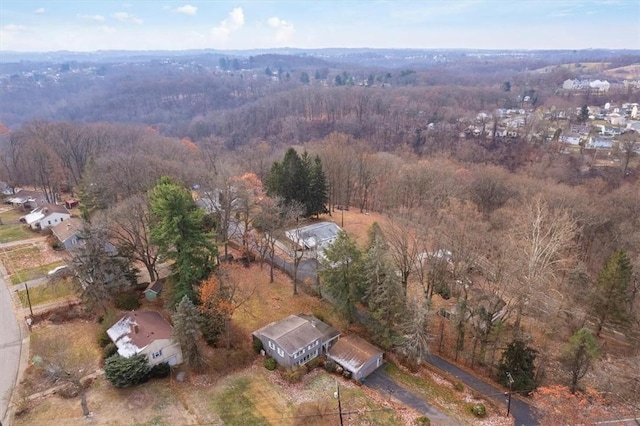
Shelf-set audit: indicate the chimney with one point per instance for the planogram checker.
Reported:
(135, 328)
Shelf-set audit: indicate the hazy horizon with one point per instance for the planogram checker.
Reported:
(80, 26)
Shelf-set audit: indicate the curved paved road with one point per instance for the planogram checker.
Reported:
(380, 381)
(522, 412)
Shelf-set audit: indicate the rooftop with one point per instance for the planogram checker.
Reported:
(133, 332)
(352, 352)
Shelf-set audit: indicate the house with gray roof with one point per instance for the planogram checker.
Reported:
(68, 233)
(297, 339)
(356, 355)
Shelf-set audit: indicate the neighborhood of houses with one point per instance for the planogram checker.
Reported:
(598, 130)
(292, 342)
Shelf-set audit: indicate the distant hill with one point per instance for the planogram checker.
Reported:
(629, 72)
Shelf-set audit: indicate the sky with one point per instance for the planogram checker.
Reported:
(90, 25)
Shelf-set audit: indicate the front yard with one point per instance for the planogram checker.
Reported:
(11, 229)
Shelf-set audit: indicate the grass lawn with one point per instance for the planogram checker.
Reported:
(47, 293)
(33, 273)
(10, 233)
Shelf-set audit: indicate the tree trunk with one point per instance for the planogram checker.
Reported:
(83, 402)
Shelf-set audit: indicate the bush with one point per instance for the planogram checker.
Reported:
(270, 364)
(160, 370)
(423, 421)
(109, 350)
(127, 301)
(105, 322)
(478, 410)
(330, 366)
(458, 386)
(294, 376)
(346, 374)
(123, 372)
(257, 345)
(313, 363)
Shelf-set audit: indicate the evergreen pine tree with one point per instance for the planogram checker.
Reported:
(384, 295)
(176, 228)
(518, 360)
(186, 331)
(343, 274)
(318, 191)
(611, 296)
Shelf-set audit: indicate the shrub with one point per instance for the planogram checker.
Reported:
(160, 370)
(270, 364)
(123, 372)
(103, 338)
(458, 386)
(346, 374)
(257, 345)
(478, 410)
(313, 364)
(294, 376)
(330, 366)
(423, 421)
(127, 301)
(109, 350)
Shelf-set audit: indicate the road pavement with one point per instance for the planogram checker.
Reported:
(380, 381)
(10, 348)
(522, 412)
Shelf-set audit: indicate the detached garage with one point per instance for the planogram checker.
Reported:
(356, 355)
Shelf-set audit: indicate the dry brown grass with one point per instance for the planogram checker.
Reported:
(28, 256)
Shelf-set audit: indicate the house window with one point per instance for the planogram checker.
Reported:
(49, 222)
(271, 345)
(280, 352)
(156, 354)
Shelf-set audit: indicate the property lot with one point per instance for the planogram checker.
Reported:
(11, 229)
(29, 261)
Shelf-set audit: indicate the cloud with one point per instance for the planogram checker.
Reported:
(106, 29)
(284, 29)
(187, 9)
(92, 18)
(234, 22)
(127, 18)
(39, 11)
(13, 28)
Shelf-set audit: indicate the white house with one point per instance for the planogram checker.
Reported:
(148, 334)
(46, 216)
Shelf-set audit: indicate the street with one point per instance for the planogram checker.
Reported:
(10, 347)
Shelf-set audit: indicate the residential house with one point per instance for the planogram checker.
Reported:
(27, 199)
(46, 216)
(317, 236)
(582, 129)
(296, 339)
(146, 333)
(5, 189)
(600, 143)
(68, 233)
(571, 138)
(356, 355)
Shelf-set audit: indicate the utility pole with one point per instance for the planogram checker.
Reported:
(510, 387)
(337, 395)
(26, 287)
